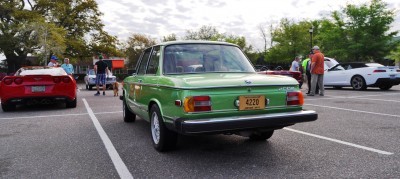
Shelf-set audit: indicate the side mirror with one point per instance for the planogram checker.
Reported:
(132, 72)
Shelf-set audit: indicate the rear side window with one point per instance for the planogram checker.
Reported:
(154, 61)
(143, 62)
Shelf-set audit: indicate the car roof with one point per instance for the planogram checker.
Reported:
(194, 42)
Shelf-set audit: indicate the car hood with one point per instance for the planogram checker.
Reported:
(211, 80)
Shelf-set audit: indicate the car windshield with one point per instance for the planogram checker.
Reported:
(91, 72)
(204, 58)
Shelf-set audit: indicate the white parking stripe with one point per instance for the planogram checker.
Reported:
(353, 110)
(385, 100)
(116, 159)
(349, 97)
(341, 142)
(80, 114)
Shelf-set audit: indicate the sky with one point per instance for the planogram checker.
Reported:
(158, 18)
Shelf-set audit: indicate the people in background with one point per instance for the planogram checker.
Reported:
(53, 61)
(317, 72)
(101, 69)
(69, 68)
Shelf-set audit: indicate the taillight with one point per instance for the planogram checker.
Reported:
(294, 98)
(18, 81)
(379, 71)
(56, 80)
(8, 81)
(66, 80)
(197, 104)
(398, 70)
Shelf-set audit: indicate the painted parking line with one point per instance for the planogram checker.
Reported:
(112, 152)
(350, 97)
(340, 142)
(58, 115)
(353, 110)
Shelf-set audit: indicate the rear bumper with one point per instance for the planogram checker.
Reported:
(241, 123)
(38, 100)
(387, 81)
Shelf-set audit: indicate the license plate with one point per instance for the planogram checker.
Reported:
(392, 76)
(36, 89)
(253, 102)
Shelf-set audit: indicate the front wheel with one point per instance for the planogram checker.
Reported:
(258, 136)
(358, 83)
(163, 139)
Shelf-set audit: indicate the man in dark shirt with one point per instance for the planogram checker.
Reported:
(101, 69)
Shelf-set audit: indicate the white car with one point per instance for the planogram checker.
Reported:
(360, 75)
(90, 80)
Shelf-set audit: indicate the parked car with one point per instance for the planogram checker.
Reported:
(224, 94)
(294, 74)
(90, 80)
(37, 85)
(360, 75)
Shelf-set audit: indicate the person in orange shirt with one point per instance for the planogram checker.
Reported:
(317, 72)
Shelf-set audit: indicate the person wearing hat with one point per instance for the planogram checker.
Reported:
(306, 65)
(101, 68)
(317, 71)
(53, 61)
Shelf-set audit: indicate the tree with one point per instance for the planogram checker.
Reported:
(291, 39)
(134, 47)
(361, 32)
(204, 33)
(171, 37)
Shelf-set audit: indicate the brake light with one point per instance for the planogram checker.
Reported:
(294, 98)
(197, 104)
(8, 81)
(66, 80)
(56, 80)
(398, 70)
(18, 81)
(379, 71)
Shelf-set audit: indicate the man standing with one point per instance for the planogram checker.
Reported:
(306, 67)
(53, 61)
(68, 67)
(101, 68)
(317, 71)
(295, 64)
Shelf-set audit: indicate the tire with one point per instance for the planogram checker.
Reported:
(258, 136)
(87, 87)
(71, 104)
(162, 138)
(128, 115)
(385, 87)
(90, 87)
(358, 83)
(8, 107)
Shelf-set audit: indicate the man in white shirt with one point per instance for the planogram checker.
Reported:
(53, 61)
(295, 64)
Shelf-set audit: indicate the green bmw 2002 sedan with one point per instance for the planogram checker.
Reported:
(203, 87)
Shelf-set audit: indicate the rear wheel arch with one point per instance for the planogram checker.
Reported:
(360, 79)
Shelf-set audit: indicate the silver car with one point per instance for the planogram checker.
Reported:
(90, 80)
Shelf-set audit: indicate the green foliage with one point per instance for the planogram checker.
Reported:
(171, 37)
(359, 33)
(291, 39)
(134, 47)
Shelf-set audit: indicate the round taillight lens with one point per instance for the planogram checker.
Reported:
(56, 80)
(66, 80)
(7, 81)
(18, 81)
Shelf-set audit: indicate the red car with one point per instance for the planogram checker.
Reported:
(294, 74)
(37, 85)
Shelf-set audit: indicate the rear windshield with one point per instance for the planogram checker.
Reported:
(204, 58)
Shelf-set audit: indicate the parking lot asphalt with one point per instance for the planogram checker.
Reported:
(356, 136)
